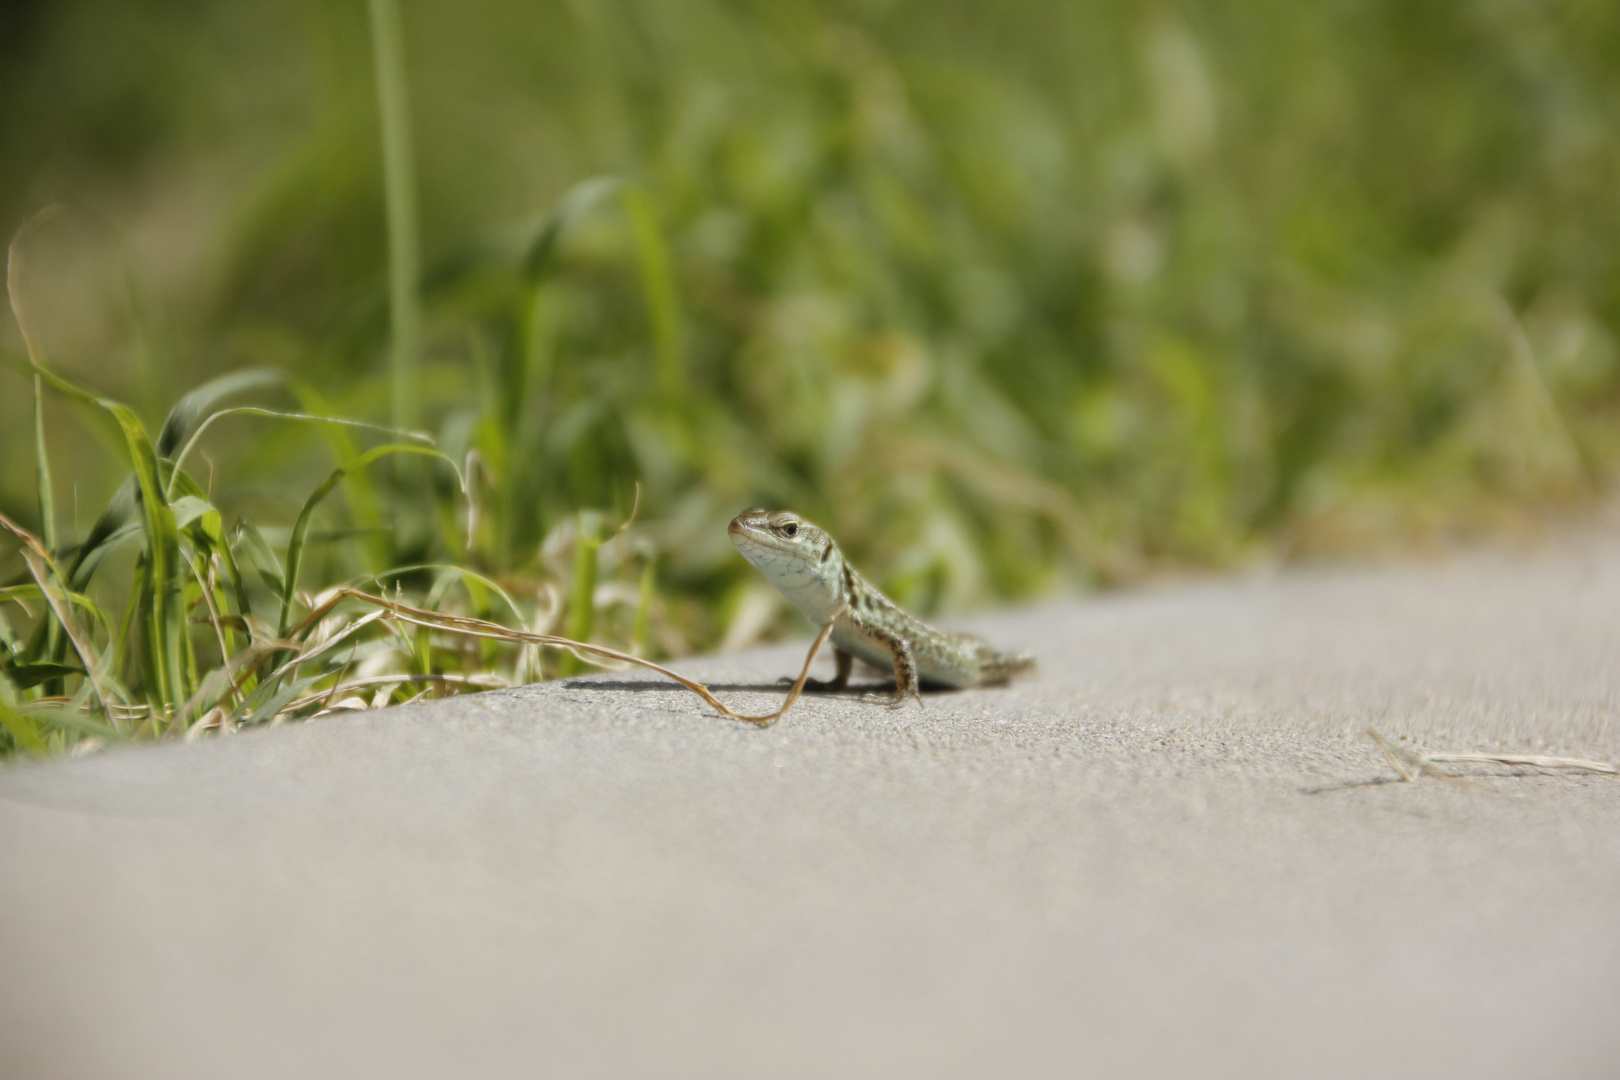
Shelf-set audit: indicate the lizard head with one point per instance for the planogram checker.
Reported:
(793, 554)
(779, 531)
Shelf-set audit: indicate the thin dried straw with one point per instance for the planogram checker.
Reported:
(43, 568)
(1411, 761)
(465, 625)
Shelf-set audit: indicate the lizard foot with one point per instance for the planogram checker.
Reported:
(893, 701)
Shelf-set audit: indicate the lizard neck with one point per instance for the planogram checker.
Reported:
(820, 590)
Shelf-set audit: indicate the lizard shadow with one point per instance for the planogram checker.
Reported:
(647, 685)
(853, 692)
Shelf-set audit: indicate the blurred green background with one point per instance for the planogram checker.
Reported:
(1011, 297)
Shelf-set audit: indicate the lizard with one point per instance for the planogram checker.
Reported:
(806, 566)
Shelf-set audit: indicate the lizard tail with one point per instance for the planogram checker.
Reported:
(1003, 666)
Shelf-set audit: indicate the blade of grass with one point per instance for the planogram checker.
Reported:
(165, 619)
(17, 592)
(266, 706)
(208, 533)
(24, 730)
(116, 523)
(42, 567)
(68, 716)
(11, 646)
(261, 556)
(42, 470)
(658, 285)
(222, 551)
(361, 493)
(47, 513)
(582, 596)
(640, 629)
(300, 533)
(578, 200)
(224, 679)
(220, 634)
(276, 414)
(196, 409)
(28, 676)
(53, 642)
(137, 583)
(70, 626)
(399, 190)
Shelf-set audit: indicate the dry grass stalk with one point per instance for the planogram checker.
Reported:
(462, 624)
(1412, 761)
(44, 571)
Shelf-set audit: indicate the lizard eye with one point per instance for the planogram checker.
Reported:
(790, 529)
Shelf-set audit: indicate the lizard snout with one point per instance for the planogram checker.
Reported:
(746, 522)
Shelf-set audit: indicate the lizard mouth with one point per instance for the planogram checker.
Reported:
(751, 531)
(751, 525)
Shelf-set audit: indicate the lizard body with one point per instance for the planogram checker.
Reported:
(807, 567)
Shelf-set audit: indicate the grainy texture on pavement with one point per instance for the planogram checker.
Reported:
(1173, 852)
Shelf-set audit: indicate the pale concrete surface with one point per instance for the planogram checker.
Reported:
(1162, 857)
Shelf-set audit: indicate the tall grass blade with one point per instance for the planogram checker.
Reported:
(580, 200)
(642, 626)
(116, 523)
(19, 593)
(89, 558)
(261, 556)
(28, 676)
(53, 643)
(277, 414)
(42, 471)
(362, 494)
(165, 619)
(658, 285)
(197, 408)
(399, 190)
(582, 595)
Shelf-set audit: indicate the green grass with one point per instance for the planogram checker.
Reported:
(75, 681)
(197, 647)
(194, 648)
(1011, 299)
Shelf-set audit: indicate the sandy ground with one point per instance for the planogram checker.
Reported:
(1174, 852)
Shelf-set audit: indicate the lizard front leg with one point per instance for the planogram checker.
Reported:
(905, 667)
